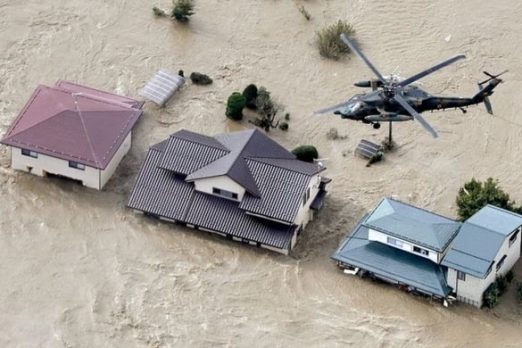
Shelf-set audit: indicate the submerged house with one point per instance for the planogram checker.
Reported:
(72, 131)
(243, 186)
(431, 254)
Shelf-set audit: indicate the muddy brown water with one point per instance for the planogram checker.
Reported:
(77, 269)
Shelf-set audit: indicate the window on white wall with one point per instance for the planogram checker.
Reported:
(461, 276)
(421, 251)
(224, 193)
(513, 238)
(501, 262)
(29, 153)
(76, 165)
(395, 242)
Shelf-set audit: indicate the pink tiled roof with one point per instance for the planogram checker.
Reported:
(74, 123)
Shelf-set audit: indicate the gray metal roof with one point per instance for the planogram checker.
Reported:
(281, 191)
(161, 192)
(162, 86)
(413, 224)
(185, 156)
(244, 144)
(224, 216)
(391, 263)
(496, 219)
(480, 239)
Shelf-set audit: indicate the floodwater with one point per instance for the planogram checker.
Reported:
(78, 269)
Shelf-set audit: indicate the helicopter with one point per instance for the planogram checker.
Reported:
(393, 99)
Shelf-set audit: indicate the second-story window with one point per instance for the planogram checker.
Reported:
(29, 153)
(513, 238)
(421, 251)
(461, 276)
(76, 165)
(224, 193)
(501, 262)
(395, 242)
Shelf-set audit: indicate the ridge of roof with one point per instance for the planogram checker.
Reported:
(11, 137)
(194, 137)
(270, 161)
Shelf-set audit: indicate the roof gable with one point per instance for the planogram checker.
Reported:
(71, 126)
(413, 224)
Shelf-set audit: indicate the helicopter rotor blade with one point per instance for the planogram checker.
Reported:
(415, 115)
(431, 70)
(358, 52)
(491, 76)
(331, 108)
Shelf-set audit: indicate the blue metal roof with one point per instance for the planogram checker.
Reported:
(496, 219)
(413, 224)
(391, 263)
(480, 239)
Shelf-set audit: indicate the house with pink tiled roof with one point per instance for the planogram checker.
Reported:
(72, 131)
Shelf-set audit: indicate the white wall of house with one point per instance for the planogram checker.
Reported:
(222, 182)
(90, 177)
(304, 214)
(377, 236)
(107, 173)
(472, 289)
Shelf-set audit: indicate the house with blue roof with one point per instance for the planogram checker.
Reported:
(430, 254)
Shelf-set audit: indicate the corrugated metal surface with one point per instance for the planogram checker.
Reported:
(157, 191)
(391, 263)
(413, 224)
(160, 192)
(281, 191)
(162, 86)
(224, 216)
(185, 157)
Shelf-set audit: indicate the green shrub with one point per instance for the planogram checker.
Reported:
(250, 93)
(264, 102)
(287, 116)
(235, 104)
(501, 284)
(474, 195)
(491, 295)
(509, 276)
(183, 9)
(200, 79)
(328, 40)
(306, 153)
(158, 12)
(519, 292)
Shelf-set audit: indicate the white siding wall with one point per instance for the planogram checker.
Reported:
(472, 289)
(115, 161)
(90, 177)
(304, 214)
(220, 182)
(406, 246)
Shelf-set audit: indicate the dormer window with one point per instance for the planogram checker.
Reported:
(224, 193)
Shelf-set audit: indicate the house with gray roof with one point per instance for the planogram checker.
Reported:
(72, 131)
(241, 185)
(431, 254)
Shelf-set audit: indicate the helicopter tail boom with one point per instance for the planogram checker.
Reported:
(484, 92)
